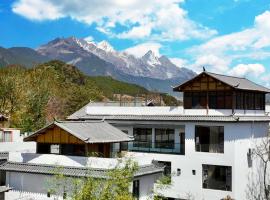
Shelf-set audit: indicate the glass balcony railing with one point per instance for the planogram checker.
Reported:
(211, 148)
(156, 147)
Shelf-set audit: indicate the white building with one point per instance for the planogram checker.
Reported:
(207, 145)
(64, 146)
(11, 140)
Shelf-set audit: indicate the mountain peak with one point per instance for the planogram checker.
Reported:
(106, 46)
(151, 58)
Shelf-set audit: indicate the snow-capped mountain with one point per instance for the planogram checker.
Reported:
(150, 71)
(149, 65)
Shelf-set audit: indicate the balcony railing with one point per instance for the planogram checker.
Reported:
(156, 147)
(211, 148)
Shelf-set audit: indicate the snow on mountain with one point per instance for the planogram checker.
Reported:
(151, 59)
(104, 45)
(149, 65)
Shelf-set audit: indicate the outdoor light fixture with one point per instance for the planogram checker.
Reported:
(178, 172)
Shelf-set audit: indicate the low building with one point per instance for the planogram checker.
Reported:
(11, 140)
(78, 138)
(79, 149)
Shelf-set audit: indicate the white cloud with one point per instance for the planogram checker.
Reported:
(250, 39)
(212, 63)
(179, 62)
(218, 53)
(142, 49)
(137, 32)
(248, 70)
(159, 19)
(89, 38)
(37, 10)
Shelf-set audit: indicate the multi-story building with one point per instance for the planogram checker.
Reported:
(207, 145)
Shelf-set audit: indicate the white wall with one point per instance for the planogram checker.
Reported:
(38, 183)
(238, 139)
(164, 110)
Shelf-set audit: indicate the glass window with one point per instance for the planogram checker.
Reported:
(43, 148)
(220, 100)
(55, 149)
(196, 100)
(124, 145)
(228, 100)
(1, 136)
(217, 177)
(239, 100)
(212, 97)
(7, 136)
(187, 100)
(143, 137)
(164, 138)
(209, 139)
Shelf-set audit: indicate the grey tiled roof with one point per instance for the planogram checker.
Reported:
(235, 82)
(184, 118)
(239, 83)
(73, 171)
(88, 131)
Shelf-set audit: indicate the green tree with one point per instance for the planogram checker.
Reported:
(115, 186)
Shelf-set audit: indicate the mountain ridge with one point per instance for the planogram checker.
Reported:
(101, 59)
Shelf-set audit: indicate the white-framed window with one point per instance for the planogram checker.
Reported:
(5, 136)
(55, 149)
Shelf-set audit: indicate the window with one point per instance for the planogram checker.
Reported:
(43, 148)
(164, 138)
(250, 100)
(217, 177)
(7, 136)
(124, 145)
(73, 149)
(216, 100)
(55, 149)
(228, 100)
(209, 139)
(143, 137)
(212, 96)
(187, 100)
(199, 100)
(220, 100)
(136, 189)
(239, 100)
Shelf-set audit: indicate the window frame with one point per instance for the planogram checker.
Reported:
(165, 142)
(200, 135)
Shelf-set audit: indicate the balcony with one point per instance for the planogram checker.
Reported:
(211, 148)
(156, 147)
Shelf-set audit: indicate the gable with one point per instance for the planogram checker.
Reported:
(58, 136)
(203, 82)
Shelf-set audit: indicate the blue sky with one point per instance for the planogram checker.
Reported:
(226, 36)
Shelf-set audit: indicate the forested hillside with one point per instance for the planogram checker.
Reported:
(33, 97)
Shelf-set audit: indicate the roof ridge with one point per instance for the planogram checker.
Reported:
(227, 75)
(80, 121)
(55, 166)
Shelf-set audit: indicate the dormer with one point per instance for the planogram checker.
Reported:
(215, 91)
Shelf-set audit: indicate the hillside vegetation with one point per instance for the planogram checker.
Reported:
(34, 97)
